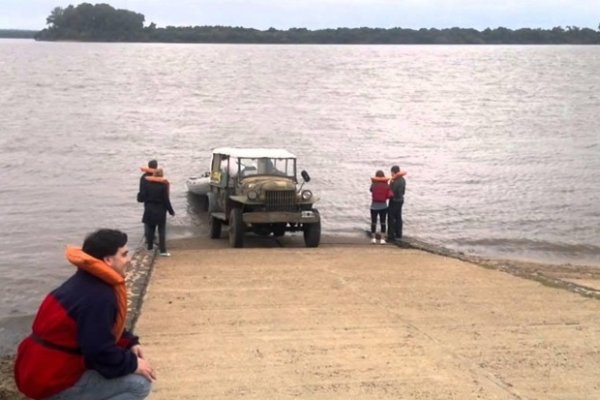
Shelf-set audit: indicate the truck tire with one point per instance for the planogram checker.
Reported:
(312, 233)
(236, 228)
(215, 227)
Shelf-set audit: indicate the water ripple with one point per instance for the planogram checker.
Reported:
(500, 142)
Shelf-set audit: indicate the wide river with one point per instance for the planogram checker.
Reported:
(501, 143)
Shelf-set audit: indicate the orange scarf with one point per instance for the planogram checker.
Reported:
(148, 170)
(398, 175)
(379, 179)
(102, 271)
(159, 179)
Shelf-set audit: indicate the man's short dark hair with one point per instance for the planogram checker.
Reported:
(104, 243)
(153, 164)
(395, 169)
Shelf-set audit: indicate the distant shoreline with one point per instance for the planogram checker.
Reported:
(17, 34)
(103, 23)
(305, 44)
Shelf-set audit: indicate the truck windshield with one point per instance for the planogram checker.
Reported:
(267, 166)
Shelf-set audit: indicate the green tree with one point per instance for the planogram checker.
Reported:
(100, 22)
(55, 16)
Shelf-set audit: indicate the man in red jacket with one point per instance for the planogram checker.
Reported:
(79, 348)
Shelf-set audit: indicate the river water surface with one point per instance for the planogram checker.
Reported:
(501, 143)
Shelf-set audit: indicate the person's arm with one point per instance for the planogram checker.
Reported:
(97, 343)
(168, 201)
(141, 196)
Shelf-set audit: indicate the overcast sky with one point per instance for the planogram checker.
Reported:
(317, 14)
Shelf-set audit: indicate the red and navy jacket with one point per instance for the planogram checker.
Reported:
(76, 329)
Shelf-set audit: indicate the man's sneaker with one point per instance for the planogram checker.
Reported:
(165, 254)
(373, 241)
(382, 241)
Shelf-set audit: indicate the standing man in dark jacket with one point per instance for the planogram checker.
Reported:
(156, 205)
(141, 196)
(149, 171)
(79, 348)
(397, 186)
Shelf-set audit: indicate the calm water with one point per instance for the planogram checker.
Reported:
(502, 144)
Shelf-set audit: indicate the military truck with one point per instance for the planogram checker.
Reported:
(257, 190)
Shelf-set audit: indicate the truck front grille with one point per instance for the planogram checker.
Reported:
(281, 200)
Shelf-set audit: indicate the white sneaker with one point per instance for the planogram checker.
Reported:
(165, 254)
(382, 241)
(373, 241)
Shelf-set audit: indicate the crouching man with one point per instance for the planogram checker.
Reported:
(78, 347)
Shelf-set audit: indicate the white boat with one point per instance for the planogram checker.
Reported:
(199, 185)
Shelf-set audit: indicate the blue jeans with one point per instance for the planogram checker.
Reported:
(93, 386)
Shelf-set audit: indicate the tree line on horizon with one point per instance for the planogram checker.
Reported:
(17, 34)
(103, 23)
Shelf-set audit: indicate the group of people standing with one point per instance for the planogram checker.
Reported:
(79, 348)
(387, 199)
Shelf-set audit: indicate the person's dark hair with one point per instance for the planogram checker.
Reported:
(395, 169)
(153, 164)
(104, 242)
(379, 174)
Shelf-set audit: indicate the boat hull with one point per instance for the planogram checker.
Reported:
(199, 185)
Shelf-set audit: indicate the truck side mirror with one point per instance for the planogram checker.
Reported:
(305, 176)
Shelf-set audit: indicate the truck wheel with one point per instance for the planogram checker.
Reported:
(236, 228)
(215, 227)
(312, 233)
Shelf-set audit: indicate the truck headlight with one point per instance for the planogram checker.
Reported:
(252, 195)
(306, 195)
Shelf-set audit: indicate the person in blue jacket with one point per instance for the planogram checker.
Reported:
(78, 347)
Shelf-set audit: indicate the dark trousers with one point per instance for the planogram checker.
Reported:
(382, 218)
(149, 229)
(395, 220)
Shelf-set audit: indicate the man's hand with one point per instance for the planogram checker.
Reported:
(137, 350)
(145, 369)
